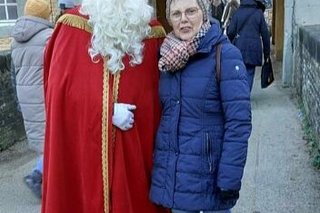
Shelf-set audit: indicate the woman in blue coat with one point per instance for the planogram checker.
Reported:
(247, 27)
(201, 143)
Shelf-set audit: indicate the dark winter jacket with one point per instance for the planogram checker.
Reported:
(230, 8)
(246, 35)
(201, 143)
(217, 11)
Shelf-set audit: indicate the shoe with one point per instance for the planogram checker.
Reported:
(34, 182)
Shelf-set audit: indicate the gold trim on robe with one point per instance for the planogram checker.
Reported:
(76, 22)
(116, 82)
(105, 142)
(157, 32)
(105, 128)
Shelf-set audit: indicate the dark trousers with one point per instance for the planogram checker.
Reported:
(250, 74)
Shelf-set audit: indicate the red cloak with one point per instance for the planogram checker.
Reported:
(90, 166)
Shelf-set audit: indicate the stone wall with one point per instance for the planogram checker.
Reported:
(11, 124)
(306, 76)
(297, 13)
(5, 43)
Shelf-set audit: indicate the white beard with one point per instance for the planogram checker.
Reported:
(119, 26)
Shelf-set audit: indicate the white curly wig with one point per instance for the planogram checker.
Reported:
(119, 26)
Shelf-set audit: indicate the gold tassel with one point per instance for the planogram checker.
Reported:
(157, 32)
(76, 22)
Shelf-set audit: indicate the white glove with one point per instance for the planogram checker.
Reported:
(123, 117)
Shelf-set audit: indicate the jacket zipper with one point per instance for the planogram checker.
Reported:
(208, 151)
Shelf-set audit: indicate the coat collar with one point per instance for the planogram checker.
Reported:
(213, 37)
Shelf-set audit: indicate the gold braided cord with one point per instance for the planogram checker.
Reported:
(76, 22)
(157, 32)
(116, 81)
(105, 127)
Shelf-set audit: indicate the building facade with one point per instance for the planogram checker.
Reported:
(10, 11)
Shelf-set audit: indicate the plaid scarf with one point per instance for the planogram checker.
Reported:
(175, 53)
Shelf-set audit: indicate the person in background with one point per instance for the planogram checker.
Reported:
(261, 4)
(229, 9)
(30, 36)
(64, 5)
(102, 107)
(202, 139)
(217, 7)
(246, 29)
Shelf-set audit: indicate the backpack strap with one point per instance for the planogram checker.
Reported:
(218, 62)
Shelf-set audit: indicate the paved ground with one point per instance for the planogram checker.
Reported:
(15, 197)
(278, 176)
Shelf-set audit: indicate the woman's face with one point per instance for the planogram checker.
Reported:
(186, 18)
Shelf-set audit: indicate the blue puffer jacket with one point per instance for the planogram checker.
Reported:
(201, 142)
(248, 38)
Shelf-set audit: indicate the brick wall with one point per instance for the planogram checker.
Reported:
(11, 124)
(306, 76)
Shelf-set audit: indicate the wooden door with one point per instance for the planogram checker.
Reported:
(161, 14)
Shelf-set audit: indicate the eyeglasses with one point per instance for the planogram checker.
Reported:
(190, 13)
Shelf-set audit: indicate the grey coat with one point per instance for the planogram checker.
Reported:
(30, 37)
